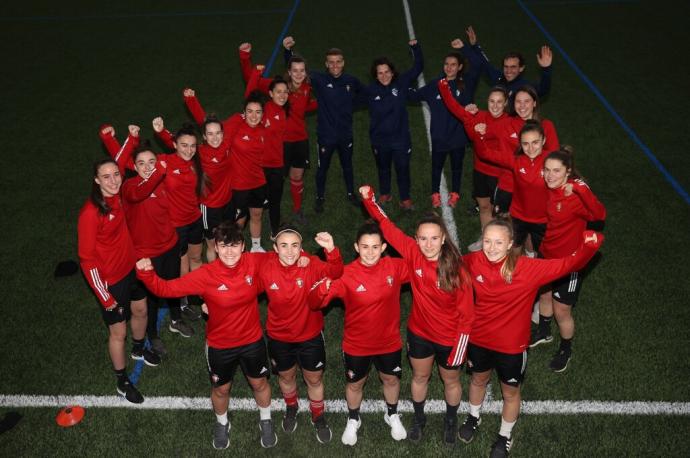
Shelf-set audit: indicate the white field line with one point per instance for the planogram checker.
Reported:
(447, 212)
(339, 405)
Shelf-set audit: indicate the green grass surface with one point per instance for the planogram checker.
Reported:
(63, 77)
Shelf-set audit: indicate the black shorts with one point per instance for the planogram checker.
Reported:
(483, 185)
(509, 368)
(126, 290)
(419, 347)
(567, 288)
(502, 200)
(310, 354)
(296, 155)
(222, 363)
(522, 228)
(191, 234)
(211, 217)
(244, 199)
(357, 367)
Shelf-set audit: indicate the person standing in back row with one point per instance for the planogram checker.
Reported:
(336, 93)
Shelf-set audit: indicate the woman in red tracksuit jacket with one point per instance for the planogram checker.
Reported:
(504, 286)
(229, 286)
(294, 331)
(442, 311)
(148, 218)
(528, 206)
(246, 136)
(370, 288)
(107, 257)
(485, 175)
(571, 207)
(296, 140)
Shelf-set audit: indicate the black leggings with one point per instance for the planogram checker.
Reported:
(274, 194)
(167, 266)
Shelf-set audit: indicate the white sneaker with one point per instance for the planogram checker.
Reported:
(350, 433)
(535, 313)
(476, 246)
(257, 249)
(530, 254)
(397, 429)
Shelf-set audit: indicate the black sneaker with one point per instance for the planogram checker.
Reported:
(147, 356)
(221, 436)
(127, 390)
(468, 428)
(181, 328)
(268, 435)
(450, 430)
(290, 419)
(353, 200)
(538, 337)
(189, 313)
(318, 204)
(323, 432)
(416, 431)
(158, 347)
(501, 447)
(560, 360)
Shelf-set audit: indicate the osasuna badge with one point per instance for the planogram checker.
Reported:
(300, 283)
(248, 279)
(558, 207)
(389, 280)
(347, 87)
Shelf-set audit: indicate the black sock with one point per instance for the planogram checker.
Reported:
(451, 411)
(353, 414)
(137, 345)
(566, 345)
(121, 375)
(418, 409)
(545, 324)
(392, 408)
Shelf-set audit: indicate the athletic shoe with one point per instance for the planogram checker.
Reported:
(318, 204)
(147, 356)
(290, 419)
(268, 435)
(353, 200)
(350, 433)
(158, 347)
(189, 313)
(417, 429)
(397, 429)
(436, 200)
(181, 328)
(539, 338)
(384, 199)
(475, 246)
(299, 219)
(221, 436)
(469, 428)
(559, 363)
(450, 430)
(453, 199)
(257, 249)
(127, 390)
(407, 205)
(501, 447)
(323, 432)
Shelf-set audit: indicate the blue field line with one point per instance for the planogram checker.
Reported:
(279, 42)
(139, 365)
(139, 15)
(645, 149)
(578, 2)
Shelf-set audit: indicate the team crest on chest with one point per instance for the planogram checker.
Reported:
(389, 280)
(111, 217)
(418, 272)
(249, 279)
(394, 91)
(300, 283)
(347, 87)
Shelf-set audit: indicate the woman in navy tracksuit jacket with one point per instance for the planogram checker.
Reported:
(389, 129)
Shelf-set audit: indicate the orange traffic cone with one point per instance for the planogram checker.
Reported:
(69, 416)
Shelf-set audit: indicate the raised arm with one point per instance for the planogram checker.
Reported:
(193, 105)
(491, 72)
(121, 153)
(410, 76)
(144, 186)
(545, 271)
(544, 59)
(162, 133)
(333, 267)
(402, 243)
(465, 117)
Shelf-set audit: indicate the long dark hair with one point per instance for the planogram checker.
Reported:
(450, 270)
(531, 125)
(459, 82)
(566, 155)
(96, 195)
(529, 90)
(201, 178)
(383, 61)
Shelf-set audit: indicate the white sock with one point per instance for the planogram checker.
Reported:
(506, 428)
(474, 410)
(222, 419)
(265, 413)
(256, 242)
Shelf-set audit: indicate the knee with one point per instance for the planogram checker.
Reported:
(390, 381)
(139, 308)
(421, 378)
(222, 391)
(313, 380)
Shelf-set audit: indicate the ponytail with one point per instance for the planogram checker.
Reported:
(566, 155)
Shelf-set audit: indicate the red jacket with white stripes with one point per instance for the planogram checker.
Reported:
(121, 153)
(437, 315)
(229, 293)
(106, 252)
(568, 217)
(289, 317)
(372, 305)
(503, 310)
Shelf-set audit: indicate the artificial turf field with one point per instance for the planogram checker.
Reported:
(72, 66)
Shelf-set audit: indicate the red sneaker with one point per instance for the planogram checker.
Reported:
(436, 200)
(407, 205)
(385, 198)
(453, 199)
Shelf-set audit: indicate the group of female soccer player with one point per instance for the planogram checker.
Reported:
(474, 308)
